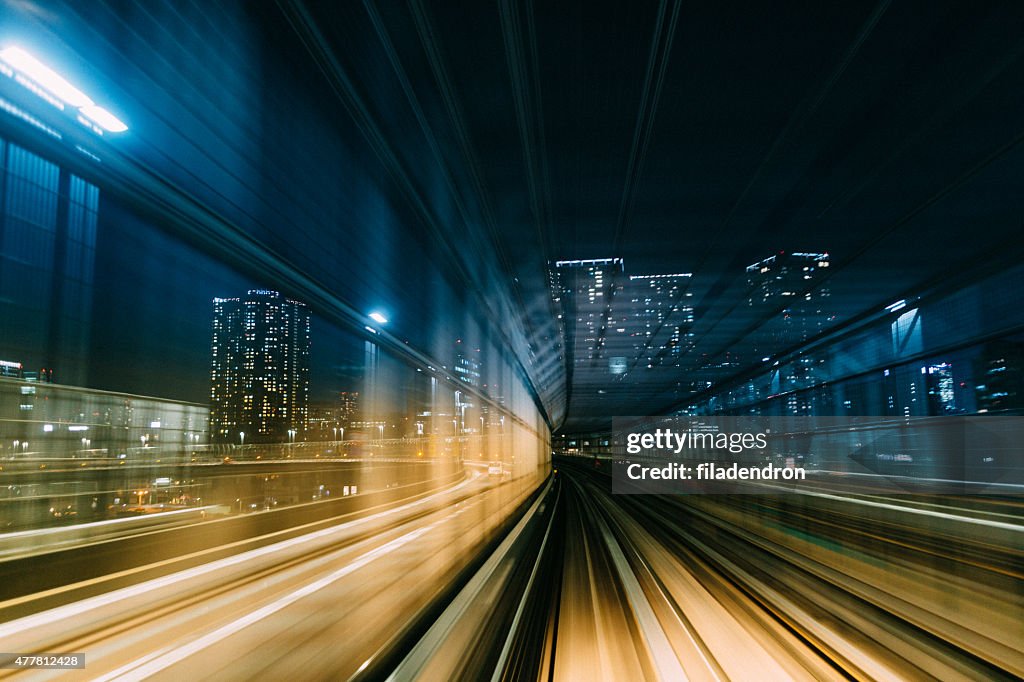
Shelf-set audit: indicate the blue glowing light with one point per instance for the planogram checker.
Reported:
(52, 87)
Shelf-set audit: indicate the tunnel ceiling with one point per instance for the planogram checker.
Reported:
(693, 138)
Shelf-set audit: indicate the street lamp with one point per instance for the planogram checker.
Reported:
(241, 438)
(381, 428)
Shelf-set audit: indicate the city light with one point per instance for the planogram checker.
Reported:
(45, 76)
(798, 514)
(286, 371)
(45, 82)
(104, 118)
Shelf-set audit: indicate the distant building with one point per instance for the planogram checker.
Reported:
(999, 384)
(789, 282)
(467, 364)
(348, 406)
(941, 388)
(584, 291)
(785, 288)
(467, 367)
(50, 420)
(259, 376)
(328, 421)
(657, 314)
(617, 322)
(323, 422)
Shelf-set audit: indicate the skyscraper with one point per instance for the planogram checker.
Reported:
(584, 290)
(786, 288)
(467, 363)
(790, 281)
(48, 224)
(259, 376)
(999, 372)
(659, 316)
(638, 321)
(348, 406)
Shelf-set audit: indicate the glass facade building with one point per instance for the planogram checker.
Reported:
(260, 368)
(660, 313)
(48, 225)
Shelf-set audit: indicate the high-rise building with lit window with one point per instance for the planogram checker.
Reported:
(787, 289)
(657, 313)
(790, 281)
(617, 322)
(348, 406)
(259, 388)
(467, 364)
(999, 372)
(584, 292)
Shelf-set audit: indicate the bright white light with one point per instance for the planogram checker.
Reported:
(78, 428)
(47, 77)
(104, 118)
(378, 318)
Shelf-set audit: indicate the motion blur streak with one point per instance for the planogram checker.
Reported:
(310, 539)
(693, 580)
(795, 583)
(165, 660)
(437, 654)
(176, 621)
(325, 327)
